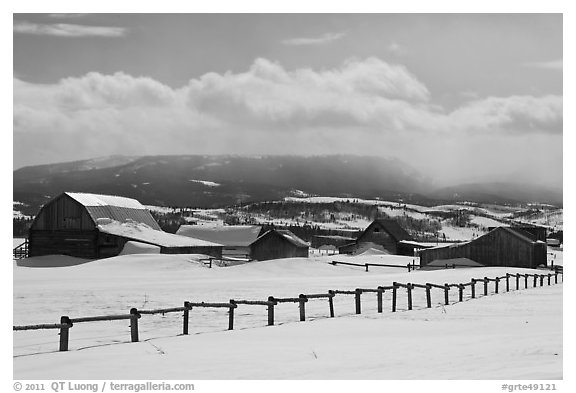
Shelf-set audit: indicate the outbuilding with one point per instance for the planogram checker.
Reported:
(236, 239)
(278, 243)
(502, 246)
(98, 226)
(382, 234)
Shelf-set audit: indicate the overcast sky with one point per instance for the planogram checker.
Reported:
(459, 97)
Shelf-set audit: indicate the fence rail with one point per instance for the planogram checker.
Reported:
(409, 266)
(66, 323)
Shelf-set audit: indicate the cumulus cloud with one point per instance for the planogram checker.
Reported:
(68, 30)
(362, 107)
(322, 40)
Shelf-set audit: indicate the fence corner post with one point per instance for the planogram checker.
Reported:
(64, 332)
(186, 317)
(394, 291)
(302, 306)
(357, 301)
(233, 305)
(473, 287)
(446, 296)
(134, 315)
(428, 298)
(409, 289)
(331, 302)
(379, 298)
(271, 304)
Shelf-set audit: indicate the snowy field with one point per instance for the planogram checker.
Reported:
(515, 335)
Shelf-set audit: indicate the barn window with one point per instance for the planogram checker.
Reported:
(376, 229)
(71, 222)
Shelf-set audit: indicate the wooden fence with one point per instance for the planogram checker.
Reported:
(21, 251)
(66, 323)
(410, 266)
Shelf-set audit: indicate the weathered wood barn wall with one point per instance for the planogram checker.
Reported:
(503, 246)
(276, 244)
(74, 224)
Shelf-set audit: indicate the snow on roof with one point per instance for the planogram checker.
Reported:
(145, 234)
(228, 235)
(105, 200)
(292, 238)
(115, 208)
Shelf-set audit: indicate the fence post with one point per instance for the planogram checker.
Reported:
(231, 314)
(428, 299)
(379, 298)
(409, 288)
(357, 300)
(446, 298)
(460, 292)
(507, 282)
(408, 268)
(517, 281)
(549, 278)
(271, 310)
(496, 284)
(541, 280)
(473, 287)
(331, 303)
(366, 266)
(485, 286)
(535, 280)
(134, 315)
(556, 278)
(185, 318)
(394, 290)
(525, 281)
(302, 307)
(64, 332)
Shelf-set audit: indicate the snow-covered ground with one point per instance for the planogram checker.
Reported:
(515, 335)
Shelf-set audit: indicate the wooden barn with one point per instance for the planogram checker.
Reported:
(502, 246)
(98, 226)
(236, 239)
(383, 234)
(276, 244)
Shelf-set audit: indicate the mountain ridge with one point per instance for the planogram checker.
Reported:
(224, 180)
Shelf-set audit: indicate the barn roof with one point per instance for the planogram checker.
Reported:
(521, 234)
(292, 238)
(145, 234)
(390, 226)
(116, 208)
(287, 235)
(228, 235)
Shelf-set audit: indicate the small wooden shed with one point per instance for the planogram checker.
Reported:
(98, 226)
(502, 246)
(276, 244)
